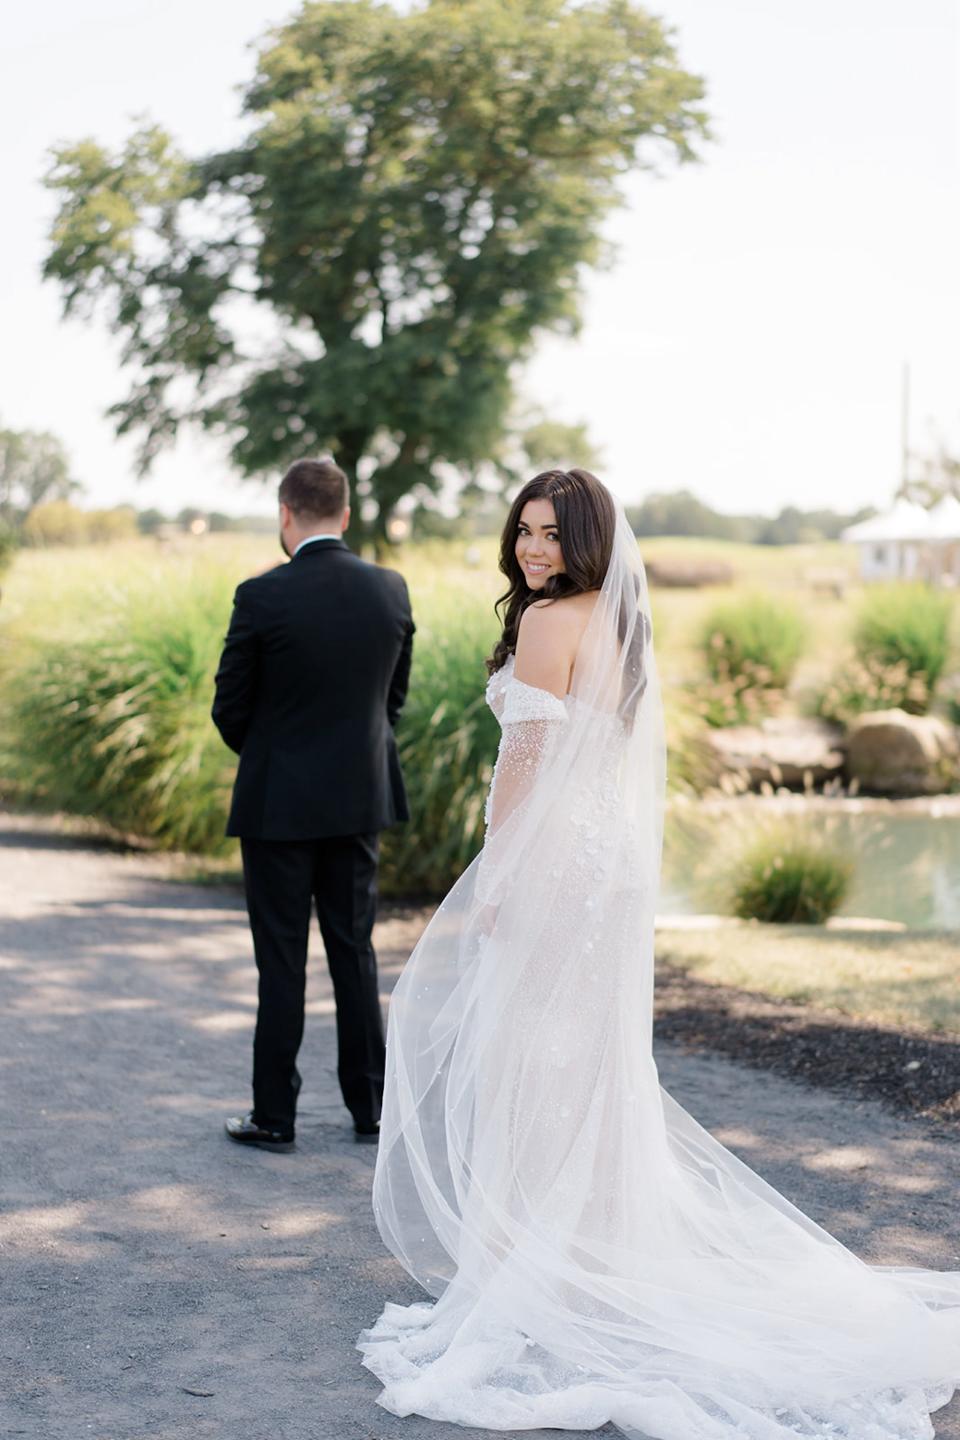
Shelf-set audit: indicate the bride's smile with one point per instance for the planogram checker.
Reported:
(537, 546)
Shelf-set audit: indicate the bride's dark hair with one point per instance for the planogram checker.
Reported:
(586, 521)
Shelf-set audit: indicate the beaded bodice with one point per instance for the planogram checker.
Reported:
(513, 700)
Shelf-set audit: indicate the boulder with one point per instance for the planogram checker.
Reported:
(892, 753)
(783, 750)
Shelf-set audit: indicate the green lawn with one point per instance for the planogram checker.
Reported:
(908, 980)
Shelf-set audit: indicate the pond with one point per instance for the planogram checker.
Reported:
(906, 855)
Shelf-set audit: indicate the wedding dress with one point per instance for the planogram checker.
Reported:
(594, 1254)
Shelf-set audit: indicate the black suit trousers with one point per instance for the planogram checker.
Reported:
(283, 879)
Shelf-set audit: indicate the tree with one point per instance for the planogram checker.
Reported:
(416, 198)
(33, 469)
(57, 522)
(547, 444)
(936, 474)
(682, 513)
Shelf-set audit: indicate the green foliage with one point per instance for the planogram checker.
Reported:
(679, 512)
(416, 197)
(9, 541)
(59, 523)
(906, 625)
(33, 469)
(790, 875)
(806, 527)
(112, 720)
(691, 761)
(858, 686)
(107, 680)
(951, 698)
(735, 697)
(750, 647)
(109, 717)
(447, 738)
(758, 635)
(550, 444)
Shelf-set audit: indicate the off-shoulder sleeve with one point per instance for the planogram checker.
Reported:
(530, 718)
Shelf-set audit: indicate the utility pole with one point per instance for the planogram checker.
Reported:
(905, 428)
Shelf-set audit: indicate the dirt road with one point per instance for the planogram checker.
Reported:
(162, 1284)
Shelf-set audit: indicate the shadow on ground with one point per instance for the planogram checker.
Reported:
(161, 1283)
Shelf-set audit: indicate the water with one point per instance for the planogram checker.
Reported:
(907, 863)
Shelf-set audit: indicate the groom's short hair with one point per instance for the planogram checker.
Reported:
(315, 489)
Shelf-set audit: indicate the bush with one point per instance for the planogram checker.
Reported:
(447, 739)
(863, 685)
(692, 766)
(107, 686)
(908, 625)
(115, 723)
(757, 637)
(741, 699)
(951, 698)
(112, 719)
(8, 544)
(59, 523)
(790, 876)
(750, 647)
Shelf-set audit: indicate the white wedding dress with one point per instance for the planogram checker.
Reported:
(595, 1255)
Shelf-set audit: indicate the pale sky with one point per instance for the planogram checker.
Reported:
(748, 343)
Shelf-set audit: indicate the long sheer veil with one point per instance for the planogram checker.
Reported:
(594, 1252)
(579, 854)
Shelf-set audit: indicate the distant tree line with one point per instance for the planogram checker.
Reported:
(681, 513)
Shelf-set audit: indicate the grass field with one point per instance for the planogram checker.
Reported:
(907, 980)
(66, 610)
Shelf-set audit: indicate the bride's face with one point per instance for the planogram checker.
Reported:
(538, 543)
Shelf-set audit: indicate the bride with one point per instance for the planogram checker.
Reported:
(595, 1255)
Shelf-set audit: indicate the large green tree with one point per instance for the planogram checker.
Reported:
(416, 197)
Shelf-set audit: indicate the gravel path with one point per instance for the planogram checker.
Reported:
(161, 1284)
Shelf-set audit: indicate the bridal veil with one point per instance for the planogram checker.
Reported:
(593, 1254)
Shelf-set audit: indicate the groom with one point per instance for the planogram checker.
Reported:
(311, 682)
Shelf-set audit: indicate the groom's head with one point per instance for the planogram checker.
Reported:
(314, 499)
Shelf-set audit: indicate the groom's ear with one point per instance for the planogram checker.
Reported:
(346, 518)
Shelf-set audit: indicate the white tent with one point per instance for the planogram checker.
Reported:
(909, 542)
(945, 518)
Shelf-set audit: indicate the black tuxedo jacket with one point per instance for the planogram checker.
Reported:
(313, 676)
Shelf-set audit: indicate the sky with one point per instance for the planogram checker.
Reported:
(748, 342)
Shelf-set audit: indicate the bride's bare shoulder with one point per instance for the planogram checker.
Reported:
(548, 638)
(566, 613)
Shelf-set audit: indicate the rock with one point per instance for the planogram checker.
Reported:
(893, 753)
(789, 750)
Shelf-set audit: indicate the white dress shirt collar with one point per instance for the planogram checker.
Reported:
(325, 535)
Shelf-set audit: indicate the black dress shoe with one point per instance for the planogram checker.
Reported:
(245, 1131)
(367, 1134)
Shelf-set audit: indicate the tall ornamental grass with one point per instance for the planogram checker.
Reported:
(109, 716)
(858, 686)
(906, 626)
(750, 648)
(759, 633)
(447, 738)
(790, 874)
(106, 683)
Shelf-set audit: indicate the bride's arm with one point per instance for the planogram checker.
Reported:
(542, 665)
